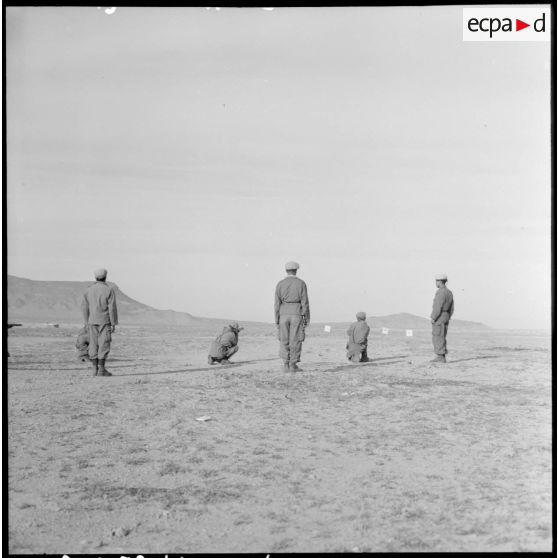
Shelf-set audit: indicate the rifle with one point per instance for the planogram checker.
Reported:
(9, 326)
(304, 325)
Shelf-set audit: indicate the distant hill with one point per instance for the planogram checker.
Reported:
(410, 321)
(401, 321)
(60, 302)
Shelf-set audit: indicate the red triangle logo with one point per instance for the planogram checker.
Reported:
(519, 25)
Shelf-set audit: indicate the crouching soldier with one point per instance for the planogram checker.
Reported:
(357, 345)
(225, 345)
(82, 344)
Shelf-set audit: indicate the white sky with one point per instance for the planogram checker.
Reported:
(192, 152)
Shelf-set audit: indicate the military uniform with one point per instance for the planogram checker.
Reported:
(100, 313)
(357, 345)
(442, 311)
(224, 345)
(292, 315)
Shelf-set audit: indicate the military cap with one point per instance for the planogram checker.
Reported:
(235, 326)
(100, 273)
(291, 265)
(441, 277)
(361, 315)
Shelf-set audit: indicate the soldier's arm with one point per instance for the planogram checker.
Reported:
(305, 303)
(362, 335)
(113, 312)
(437, 306)
(451, 308)
(277, 304)
(85, 309)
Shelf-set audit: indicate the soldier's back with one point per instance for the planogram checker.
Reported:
(290, 288)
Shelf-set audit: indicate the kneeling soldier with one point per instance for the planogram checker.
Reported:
(358, 339)
(225, 345)
(82, 344)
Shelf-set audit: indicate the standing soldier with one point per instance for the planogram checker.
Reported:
(224, 345)
(357, 344)
(292, 315)
(100, 315)
(442, 311)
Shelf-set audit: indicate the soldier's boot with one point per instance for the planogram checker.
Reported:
(210, 360)
(95, 365)
(286, 365)
(439, 358)
(102, 370)
(364, 357)
(226, 361)
(293, 367)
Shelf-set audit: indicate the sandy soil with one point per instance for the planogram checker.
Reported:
(394, 455)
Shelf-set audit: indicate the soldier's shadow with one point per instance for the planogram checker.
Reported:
(371, 362)
(214, 367)
(472, 358)
(86, 366)
(257, 360)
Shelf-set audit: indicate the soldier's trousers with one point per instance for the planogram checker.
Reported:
(291, 336)
(439, 333)
(99, 340)
(357, 352)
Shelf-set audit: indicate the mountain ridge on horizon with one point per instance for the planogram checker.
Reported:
(31, 300)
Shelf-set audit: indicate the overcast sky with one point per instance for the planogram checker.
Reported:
(192, 152)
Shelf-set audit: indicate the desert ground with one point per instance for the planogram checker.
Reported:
(394, 455)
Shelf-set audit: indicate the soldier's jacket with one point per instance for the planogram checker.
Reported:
(442, 306)
(291, 297)
(358, 333)
(226, 340)
(98, 305)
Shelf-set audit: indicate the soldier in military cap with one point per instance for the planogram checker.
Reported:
(357, 345)
(442, 311)
(100, 315)
(224, 345)
(292, 315)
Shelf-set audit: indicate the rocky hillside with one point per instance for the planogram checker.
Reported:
(60, 301)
